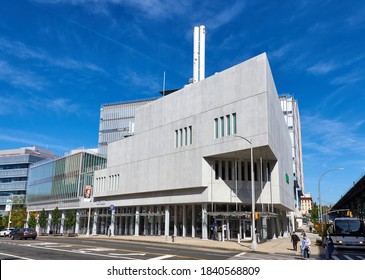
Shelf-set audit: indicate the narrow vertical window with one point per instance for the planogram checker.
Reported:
(190, 135)
(216, 128)
(228, 119)
(222, 126)
(255, 171)
(234, 121)
(230, 170)
(185, 136)
(176, 138)
(181, 137)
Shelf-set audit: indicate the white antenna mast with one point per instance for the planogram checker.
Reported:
(199, 54)
(163, 84)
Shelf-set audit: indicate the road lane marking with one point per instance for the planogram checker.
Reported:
(347, 257)
(360, 257)
(18, 257)
(162, 249)
(335, 258)
(162, 257)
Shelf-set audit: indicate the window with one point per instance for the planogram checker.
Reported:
(228, 119)
(185, 136)
(176, 138)
(243, 173)
(181, 137)
(216, 128)
(190, 135)
(249, 171)
(268, 172)
(234, 120)
(222, 126)
(230, 170)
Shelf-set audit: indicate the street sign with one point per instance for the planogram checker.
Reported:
(8, 205)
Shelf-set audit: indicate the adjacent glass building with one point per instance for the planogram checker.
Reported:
(14, 166)
(117, 121)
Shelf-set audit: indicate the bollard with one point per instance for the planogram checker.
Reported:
(173, 238)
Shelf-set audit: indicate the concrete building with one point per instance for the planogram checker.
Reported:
(117, 121)
(290, 109)
(306, 204)
(187, 165)
(184, 169)
(14, 166)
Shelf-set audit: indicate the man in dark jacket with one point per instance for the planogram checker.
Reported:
(295, 239)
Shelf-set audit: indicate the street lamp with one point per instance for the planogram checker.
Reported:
(319, 192)
(254, 244)
(9, 207)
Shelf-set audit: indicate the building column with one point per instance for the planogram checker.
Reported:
(112, 223)
(159, 223)
(37, 227)
(49, 221)
(136, 222)
(167, 220)
(184, 221)
(126, 225)
(26, 222)
(153, 224)
(63, 222)
(193, 220)
(175, 220)
(204, 222)
(95, 222)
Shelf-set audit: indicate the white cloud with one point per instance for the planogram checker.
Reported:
(322, 68)
(349, 78)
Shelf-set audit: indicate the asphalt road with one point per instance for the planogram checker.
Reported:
(86, 249)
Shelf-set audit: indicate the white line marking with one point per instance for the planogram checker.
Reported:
(15, 256)
(163, 249)
(335, 258)
(360, 257)
(347, 257)
(162, 257)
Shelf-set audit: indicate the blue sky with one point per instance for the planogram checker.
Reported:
(61, 59)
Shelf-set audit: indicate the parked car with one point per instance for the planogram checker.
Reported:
(24, 233)
(5, 232)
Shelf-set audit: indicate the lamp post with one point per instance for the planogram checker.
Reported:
(254, 243)
(319, 192)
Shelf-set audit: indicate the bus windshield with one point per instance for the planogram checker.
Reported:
(348, 227)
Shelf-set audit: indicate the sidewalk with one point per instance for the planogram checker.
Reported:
(280, 245)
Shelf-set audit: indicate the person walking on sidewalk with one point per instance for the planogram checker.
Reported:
(305, 247)
(328, 244)
(295, 239)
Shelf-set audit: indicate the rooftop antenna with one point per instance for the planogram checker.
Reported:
(199, 54)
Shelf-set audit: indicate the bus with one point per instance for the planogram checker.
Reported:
(347, 232)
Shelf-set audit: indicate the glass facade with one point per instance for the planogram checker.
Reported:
(62, 180)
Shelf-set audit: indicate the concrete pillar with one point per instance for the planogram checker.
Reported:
(136, 222)
(49, 221)
(26, 222)
(167, 220)
(159, 219)
(63, 217)
(184, 221)
(175, 220)
(204, 222)
(95, 221)
(193, 233)
(126, 218)
(112, 223)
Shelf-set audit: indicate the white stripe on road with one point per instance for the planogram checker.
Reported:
(162, 257)
(347, 257)
(15, 256)
(360, 257)
(335, 258)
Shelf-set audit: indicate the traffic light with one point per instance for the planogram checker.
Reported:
(257, 216)
(349, 213)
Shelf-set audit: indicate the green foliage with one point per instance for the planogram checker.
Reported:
(4, 221)
(314, 214)
(56, 219)
(32, 221)
(42, 220)
(70, 219)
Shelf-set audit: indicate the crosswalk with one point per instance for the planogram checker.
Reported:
(348, 257)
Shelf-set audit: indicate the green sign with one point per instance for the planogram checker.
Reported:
(287, 178)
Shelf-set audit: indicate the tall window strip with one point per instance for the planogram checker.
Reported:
(184, 136)
(216, 169)
(234, 121)
(225, 125)
(190, 135)
(216, 128)
(222, 126)
(228, 119)
(243, 173)
(223, 173)
(230, 170)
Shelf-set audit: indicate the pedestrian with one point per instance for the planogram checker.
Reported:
(295, 239)
(329, 246)
(310, 229)
(303, 252)
(307, 247)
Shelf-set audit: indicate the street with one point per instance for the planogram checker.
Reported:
(50, 248)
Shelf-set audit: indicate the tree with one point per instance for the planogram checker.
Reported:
(70, 219)
(55, 219)
(314, 214)
(32, 221)
(42, 220)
